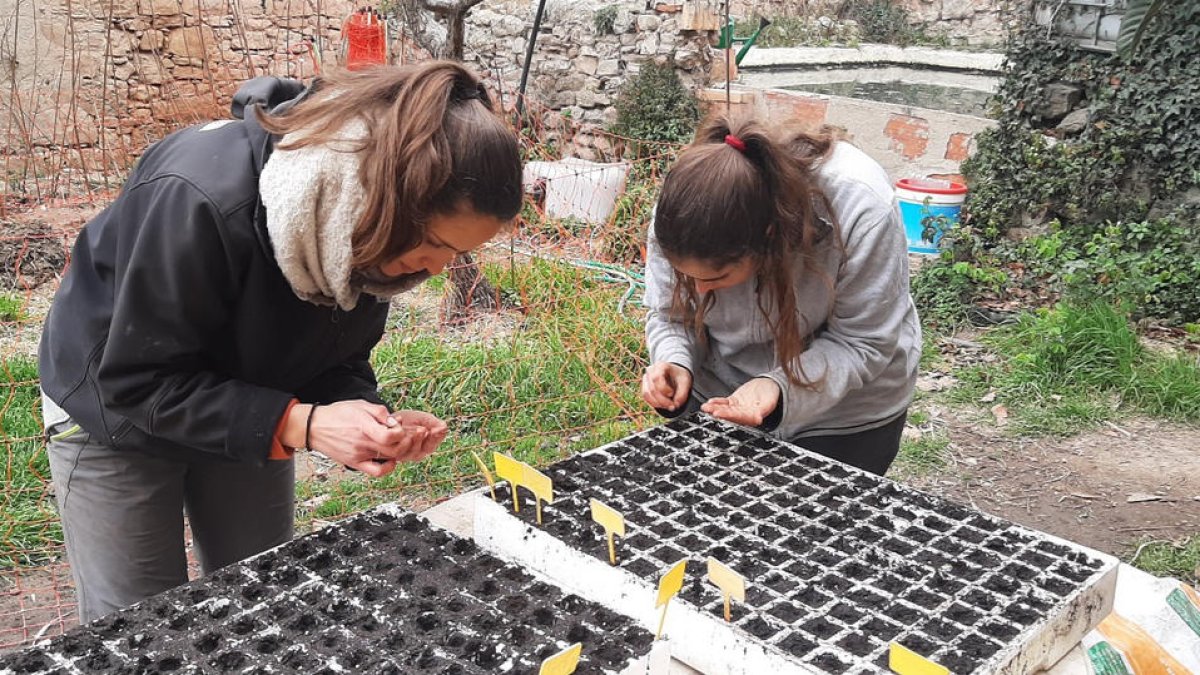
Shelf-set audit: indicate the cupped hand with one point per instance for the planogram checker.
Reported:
(666, 385)
(435, 432)
(363, 436)
(748, 405)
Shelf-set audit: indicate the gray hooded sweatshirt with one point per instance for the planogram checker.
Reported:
(864, 337)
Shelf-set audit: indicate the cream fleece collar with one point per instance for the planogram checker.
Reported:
(313, 199)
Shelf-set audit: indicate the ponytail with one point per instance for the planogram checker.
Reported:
(736, 192)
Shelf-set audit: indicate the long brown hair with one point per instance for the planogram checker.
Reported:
(433, 144)
(721, 203)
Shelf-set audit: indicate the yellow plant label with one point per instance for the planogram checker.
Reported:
(671, 583)
(512, 471)
(562, 663)
(541, 487)
(731, 583)
(612, 522)
(905, 661)
(487, 474)
(608, 518)
(539, 484)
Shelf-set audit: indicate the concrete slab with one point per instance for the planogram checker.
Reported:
(927, 57)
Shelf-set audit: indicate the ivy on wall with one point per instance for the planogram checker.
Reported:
(1136, 152)
(1105, 207)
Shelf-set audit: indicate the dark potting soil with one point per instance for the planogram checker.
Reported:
(383, 592)
(835, 560)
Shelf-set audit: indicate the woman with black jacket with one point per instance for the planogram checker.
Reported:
(221, 311)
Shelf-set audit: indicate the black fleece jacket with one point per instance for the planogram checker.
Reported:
(174, 332)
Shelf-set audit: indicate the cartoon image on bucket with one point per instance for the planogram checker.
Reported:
(932, 199)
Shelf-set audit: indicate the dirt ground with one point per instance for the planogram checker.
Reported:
(1111, 488)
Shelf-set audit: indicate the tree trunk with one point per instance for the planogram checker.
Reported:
(468, 292)
(456, 27)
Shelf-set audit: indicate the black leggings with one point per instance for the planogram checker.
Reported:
(873, 450)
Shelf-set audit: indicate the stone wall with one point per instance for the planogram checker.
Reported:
(969, 22)
(103, 77)
(584, 51)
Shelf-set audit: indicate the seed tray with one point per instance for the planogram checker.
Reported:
(838, 562)
(382, 592)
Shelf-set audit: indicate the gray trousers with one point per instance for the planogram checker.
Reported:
(122, 515)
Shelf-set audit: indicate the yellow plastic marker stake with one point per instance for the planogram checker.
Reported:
(541, 486)
(670, 584)
(564, 662)
(512, 471)
(731, 583)
(487, 475)
(905, 661)
(612, 522)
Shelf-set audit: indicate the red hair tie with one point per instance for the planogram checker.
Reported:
(735, 142)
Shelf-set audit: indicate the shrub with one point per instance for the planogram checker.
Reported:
(656, 108)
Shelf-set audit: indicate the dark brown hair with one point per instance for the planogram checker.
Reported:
(721, 203)
(433, 145)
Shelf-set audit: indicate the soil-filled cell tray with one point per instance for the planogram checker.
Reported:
(382, 592)
(838, 563)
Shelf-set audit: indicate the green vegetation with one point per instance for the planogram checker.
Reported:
(654, 110)
(1065, 369)
(923, 455)
(563, 382)
(12, 307)
(604, 19)
(625, 236)
(29, 528)
(790, 31)
(1172, 559)
(1105, 209)
(883, 21)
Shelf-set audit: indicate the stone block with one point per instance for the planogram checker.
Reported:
(608, 68)
(1074, 122)
(647, 23)
(151, 41)
(1058, 99)
(588, 65)
(648, 45)
(193, 42)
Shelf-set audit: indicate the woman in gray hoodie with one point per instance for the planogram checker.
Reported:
(777, 288)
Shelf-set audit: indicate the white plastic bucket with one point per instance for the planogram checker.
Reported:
(923, 198)
(577, 188)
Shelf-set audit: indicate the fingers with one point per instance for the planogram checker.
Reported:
(432, 441)
(369, 438)
(419, 418)
(731, 410)
(397, 435)
(375, 469)
(683, 387)
(657, 389)
(434, 428)
(381, 414)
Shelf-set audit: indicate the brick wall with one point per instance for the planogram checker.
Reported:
(906, 141)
